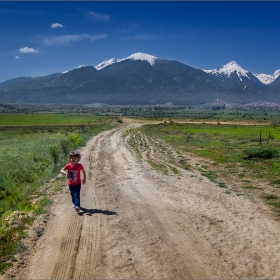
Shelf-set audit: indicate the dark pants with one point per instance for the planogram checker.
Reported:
(75, 194)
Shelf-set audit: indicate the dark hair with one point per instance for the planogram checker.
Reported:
(76, 154)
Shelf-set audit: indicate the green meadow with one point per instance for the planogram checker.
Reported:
(46, 119)
(255, 147)
(33, 149)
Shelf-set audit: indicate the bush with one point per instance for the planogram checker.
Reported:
(261, 153)
(75, 140)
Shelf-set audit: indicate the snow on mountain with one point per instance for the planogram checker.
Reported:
(144, 57)
(228, 69)
(136, 56)
(224, 71)
(268, 79)
(107, 63)
(81, 66)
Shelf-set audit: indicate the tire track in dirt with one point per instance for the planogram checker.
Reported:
(185, 249)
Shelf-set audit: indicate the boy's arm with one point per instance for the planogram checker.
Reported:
(85, 176)
(63, 170)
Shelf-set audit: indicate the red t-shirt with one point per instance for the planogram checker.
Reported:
(74, 172)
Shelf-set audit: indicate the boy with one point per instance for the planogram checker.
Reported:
(72, 171)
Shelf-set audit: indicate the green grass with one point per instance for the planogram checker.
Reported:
(222, 185)
(271, 196)
(275, 204)
(227, 144)
(209, 174)
(157, 166)
(47, 119)
(249, 187)
(175, 170)
(27, 162)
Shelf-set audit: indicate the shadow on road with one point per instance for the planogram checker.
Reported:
(90, 212)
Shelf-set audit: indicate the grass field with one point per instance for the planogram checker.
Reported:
(33, 149)
(210, 112)
(47, 119)
(226, 144)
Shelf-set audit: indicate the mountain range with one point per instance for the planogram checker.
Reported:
(143, 79)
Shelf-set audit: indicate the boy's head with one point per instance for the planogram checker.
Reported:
(75, 154)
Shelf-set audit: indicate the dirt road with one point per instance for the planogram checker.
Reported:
(138, 223)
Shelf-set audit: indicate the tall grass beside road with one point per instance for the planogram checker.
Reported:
(30, 156)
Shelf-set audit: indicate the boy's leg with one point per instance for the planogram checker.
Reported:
(77, 190)
(72, 193)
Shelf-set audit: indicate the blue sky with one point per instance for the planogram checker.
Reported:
(41, 38)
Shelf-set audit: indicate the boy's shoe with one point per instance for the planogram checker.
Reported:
(73, 205)
(77, 208)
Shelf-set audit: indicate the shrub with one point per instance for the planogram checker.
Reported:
(261, 153)
(75, 140)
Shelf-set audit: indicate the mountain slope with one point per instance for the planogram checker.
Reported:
(139, 81)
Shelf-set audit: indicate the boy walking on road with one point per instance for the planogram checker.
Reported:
(73, 171)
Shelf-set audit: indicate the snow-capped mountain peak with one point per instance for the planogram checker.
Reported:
(136, 56)
(268, 79)
(228, 69)
(144, 57)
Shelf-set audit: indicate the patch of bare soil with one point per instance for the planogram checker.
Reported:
(139, 222)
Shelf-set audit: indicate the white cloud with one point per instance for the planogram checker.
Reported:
(56, 25)
(17, 57)
(97, 16)
(28, 50)
(66, 39)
